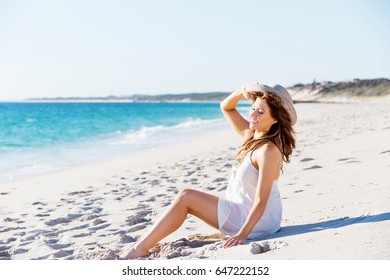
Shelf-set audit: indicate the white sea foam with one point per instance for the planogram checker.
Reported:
(165, 133)
(142, 134)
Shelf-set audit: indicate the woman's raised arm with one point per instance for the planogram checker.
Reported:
(228, 108)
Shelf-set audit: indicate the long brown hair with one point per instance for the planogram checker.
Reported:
(281, 133)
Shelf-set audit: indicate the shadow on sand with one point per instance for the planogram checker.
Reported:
(331, 224)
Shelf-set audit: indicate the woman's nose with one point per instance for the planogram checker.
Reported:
(252, 113)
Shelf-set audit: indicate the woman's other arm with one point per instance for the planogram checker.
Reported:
(234, 118)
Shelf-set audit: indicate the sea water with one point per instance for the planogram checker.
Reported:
(37, 138)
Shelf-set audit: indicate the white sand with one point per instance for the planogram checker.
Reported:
(336, 196)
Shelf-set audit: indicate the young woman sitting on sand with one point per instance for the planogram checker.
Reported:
(252, 207)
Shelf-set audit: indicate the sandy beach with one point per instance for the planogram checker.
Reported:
(335, 194)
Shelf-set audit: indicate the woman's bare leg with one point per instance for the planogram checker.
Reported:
(188, 201)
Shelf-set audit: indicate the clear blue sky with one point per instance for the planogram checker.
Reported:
(98, 48)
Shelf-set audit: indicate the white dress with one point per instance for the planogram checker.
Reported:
(240, 195)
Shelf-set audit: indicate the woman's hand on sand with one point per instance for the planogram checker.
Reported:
(234, 241)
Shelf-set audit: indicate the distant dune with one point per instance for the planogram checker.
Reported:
(184, 97)
(316, 91)
(331, 91)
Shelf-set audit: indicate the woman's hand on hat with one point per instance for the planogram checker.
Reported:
(246, 94)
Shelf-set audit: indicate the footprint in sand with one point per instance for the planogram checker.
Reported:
(98, 222)
(52, 234)
(51, 241)
(80, 193)
(217, 180)
(5, 248)
(345, 159)
(59, 246)
(88, 217)
(97, 210)
(194, 181)
(31, 237)
(63, 253)
(189, 173)
(137, 194)
(87, 206)
(313, 167)
(306, 159)
(139, 207)
(42, 215)
(9, 240)
(78, 227)
(63, 220)
(165, 203)
(81, 235)
(138, 218)
(353, 161)
(96, 228)
(67, 200)
(39, 203)
(11, 229)
(172, 189)
(151, 199)
(116, 231)
(136, 227)
(19, 251)
(5, 255)
(124, 239)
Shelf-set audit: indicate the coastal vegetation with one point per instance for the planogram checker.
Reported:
(300, 92)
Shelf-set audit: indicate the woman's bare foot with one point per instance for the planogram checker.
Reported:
(133, 252)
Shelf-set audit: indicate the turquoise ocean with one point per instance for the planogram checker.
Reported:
(38, 138)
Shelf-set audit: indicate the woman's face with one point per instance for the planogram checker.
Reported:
(260, 118)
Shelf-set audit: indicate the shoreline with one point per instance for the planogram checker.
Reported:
(335, 195)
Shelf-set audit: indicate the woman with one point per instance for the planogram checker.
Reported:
(252, 208)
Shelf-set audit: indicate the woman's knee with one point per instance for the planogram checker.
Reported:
(186, 194)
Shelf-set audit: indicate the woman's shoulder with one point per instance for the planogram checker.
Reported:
(267, 151)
